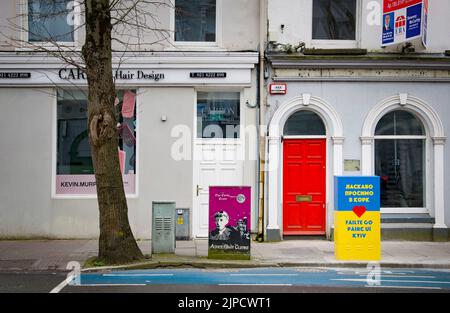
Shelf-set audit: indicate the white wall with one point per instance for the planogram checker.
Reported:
(239, 27)
(296, 15)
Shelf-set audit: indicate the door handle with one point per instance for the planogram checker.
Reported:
(198, 189)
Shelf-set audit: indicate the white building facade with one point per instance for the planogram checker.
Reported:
(198, 73)
(342, 102)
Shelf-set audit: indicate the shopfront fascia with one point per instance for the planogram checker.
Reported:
(176, 69)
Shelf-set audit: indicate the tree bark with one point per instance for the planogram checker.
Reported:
(117, 243)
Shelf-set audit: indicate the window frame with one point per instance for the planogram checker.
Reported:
(426, 165)
(54, 158)
(64, 45)
(339, 44)
(242, 132)
(204, 45)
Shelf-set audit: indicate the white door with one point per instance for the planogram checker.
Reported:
(216, 163)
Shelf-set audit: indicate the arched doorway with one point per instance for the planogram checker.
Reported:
(304, 174)
(275, 164)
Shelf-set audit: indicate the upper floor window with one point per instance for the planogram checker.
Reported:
(334, 20)
(49, 20)
(195, 20)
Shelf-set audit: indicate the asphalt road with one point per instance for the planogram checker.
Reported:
(234, 281)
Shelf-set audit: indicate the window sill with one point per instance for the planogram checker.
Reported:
(414, 218)
(45, 46)
(194, 46)
(85, 197)
(334, 44)
(340, 51)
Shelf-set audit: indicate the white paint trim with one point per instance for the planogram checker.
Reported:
(238, 142)
(197, 45)
(274, 166)
(340, 44)
(404, 210)
(304, 137)
(22, 9)
(434, 149)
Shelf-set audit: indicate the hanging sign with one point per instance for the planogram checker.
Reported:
(357, 234)
(404, 20)
(229, 223)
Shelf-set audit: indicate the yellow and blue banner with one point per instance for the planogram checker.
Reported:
(357, 232)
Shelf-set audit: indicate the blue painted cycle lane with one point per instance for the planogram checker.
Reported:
(399, 278)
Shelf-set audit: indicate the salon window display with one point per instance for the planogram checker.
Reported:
(74, 168)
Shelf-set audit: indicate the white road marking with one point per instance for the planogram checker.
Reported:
(259, 275)
(402, 276)
(108, 285)
(396, 281)
(63, 284)
(405, 287)
(137, 275)
(254, 284)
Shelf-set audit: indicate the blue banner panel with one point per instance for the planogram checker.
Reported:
(414, 21)
(357, 193)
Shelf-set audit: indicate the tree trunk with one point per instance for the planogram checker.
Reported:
(116, 243)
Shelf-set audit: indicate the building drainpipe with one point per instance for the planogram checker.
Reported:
(262, 111)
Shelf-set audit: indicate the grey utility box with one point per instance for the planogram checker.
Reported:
(182, 224)
(163, 229)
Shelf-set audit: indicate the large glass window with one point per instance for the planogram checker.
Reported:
(334, 19)
(195, 20)
(400, 160)
(218, 115)
(48, 20)
(304, 123)
(74, 169)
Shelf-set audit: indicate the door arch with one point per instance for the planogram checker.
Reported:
(304, 174)
(334, 159)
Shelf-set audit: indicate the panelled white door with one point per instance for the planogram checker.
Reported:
(216, 163)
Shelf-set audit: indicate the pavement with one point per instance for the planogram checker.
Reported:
(54, 255)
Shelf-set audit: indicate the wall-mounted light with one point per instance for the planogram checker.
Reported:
(250, 105)
(163, 118)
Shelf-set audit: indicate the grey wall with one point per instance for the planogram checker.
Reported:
(239, 27)
(26, 206)
(354, 100)
(162, 178)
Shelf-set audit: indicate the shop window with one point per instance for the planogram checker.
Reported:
(74, 168)
(218, 115)
(195, 20)
(400, 144)
(49, 20)
(304, 123)
(334, 20)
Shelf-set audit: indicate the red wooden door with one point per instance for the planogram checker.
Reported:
(304, 186)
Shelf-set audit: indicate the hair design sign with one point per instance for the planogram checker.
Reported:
(229, 223)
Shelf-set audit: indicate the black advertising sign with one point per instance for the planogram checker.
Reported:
(208, 75)
(14, 75)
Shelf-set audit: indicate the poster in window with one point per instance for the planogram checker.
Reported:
(74, 168)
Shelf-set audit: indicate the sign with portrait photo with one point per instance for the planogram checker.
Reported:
(229, 223)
